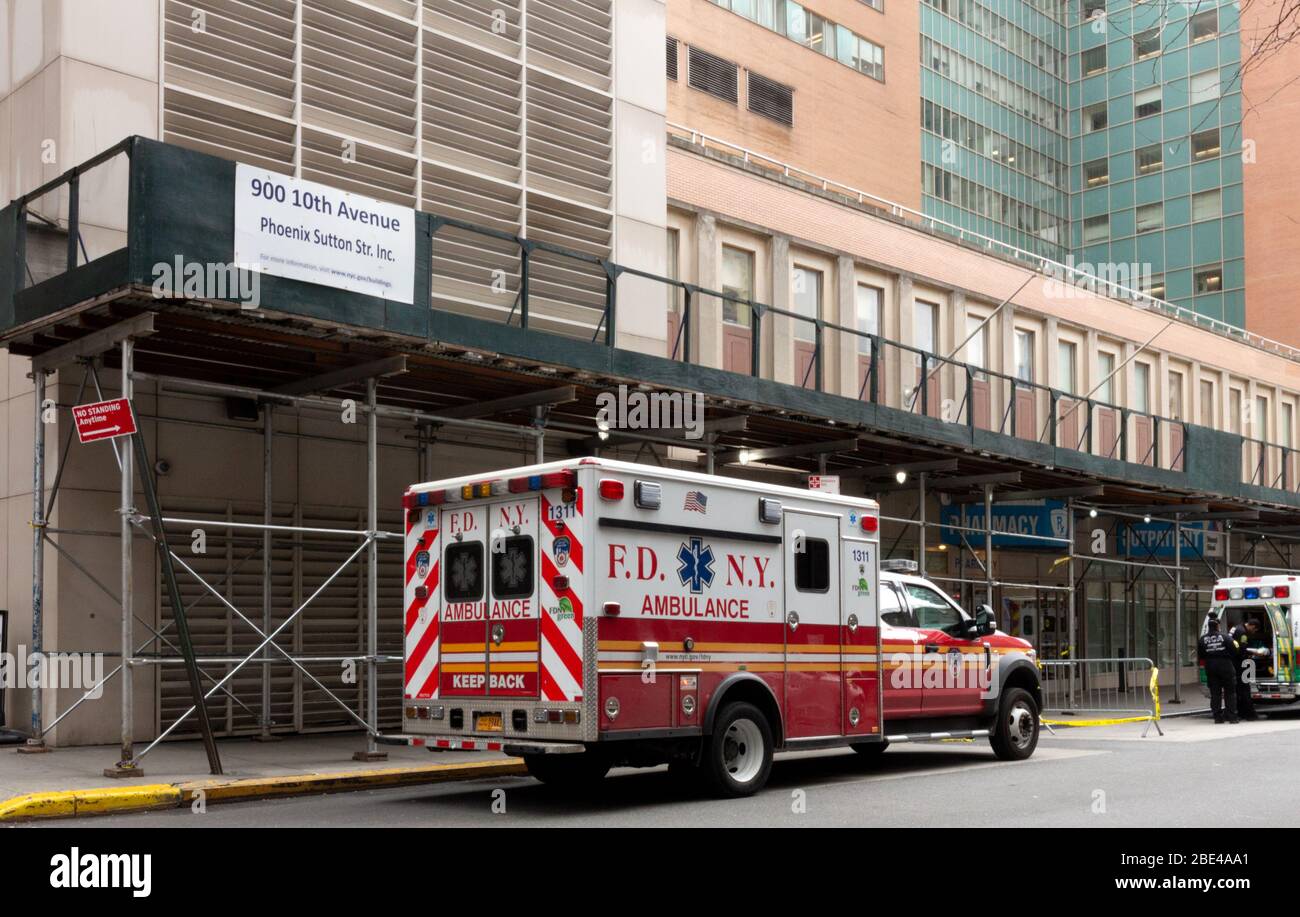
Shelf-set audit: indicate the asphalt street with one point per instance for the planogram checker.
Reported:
(1080, 778)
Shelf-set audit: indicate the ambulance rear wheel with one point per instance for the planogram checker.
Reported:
(567, 771)
(738, 758)
(1015, 735)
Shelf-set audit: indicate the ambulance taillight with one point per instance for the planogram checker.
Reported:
(870, 524)
(1281, 592)
(611, 489)
(567, 478)
(1220, 595)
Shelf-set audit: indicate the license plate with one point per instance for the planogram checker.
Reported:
(488, 722)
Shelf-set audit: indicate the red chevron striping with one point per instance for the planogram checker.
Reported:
(568, 655)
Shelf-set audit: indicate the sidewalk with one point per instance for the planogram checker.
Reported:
(173, 770)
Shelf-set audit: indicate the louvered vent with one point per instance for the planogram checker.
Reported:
(334, 624)
(714, 75)
(439, 104)
(770, 99)
(228, 71)
(670, 53)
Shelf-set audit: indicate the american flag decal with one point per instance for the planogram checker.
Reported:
(696, 501)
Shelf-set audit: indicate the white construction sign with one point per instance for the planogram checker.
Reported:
(303, 230)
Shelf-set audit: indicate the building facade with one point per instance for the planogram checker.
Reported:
(779, 161)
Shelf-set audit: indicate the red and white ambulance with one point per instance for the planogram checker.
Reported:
(590, 613)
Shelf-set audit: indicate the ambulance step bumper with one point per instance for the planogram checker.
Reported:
(508, 746)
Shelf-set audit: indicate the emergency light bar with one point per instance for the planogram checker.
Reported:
(1252, 593)
(898, 565)
(565, 479)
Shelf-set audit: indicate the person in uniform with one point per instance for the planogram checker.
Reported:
(1250, 664)
(1214, 651)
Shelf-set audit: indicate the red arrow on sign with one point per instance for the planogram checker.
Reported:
(104, 420)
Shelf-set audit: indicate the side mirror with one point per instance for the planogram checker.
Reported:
(985, 623)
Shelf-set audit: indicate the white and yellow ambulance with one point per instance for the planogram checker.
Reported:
(1273, 601)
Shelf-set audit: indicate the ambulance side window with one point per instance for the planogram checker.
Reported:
(463, 566)
(930, 608)
(812, 566)
(892, 611)
(512, 569)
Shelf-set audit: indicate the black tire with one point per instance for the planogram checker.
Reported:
(732, 764)
(574, 771)
(1015, 733)
(870, 749)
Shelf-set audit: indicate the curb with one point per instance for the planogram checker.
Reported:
(106, 801)
(116, 800)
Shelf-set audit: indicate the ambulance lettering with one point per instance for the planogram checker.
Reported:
(511, 609)
(460, 523)
(738, 566)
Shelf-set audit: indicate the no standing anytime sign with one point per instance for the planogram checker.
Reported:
(104, 420)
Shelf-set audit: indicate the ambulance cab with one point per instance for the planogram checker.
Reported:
(1272, 602)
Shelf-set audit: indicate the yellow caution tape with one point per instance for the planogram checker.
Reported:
(1155, 699)
(1127, 719)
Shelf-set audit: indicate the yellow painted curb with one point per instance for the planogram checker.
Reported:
(218, 790)
(99, 801)
(110, 800)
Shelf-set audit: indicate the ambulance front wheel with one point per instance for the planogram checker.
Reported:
(567, 771)
(738, 757)
(1015, 735)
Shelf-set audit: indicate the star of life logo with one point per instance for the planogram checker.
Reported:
(695, 565)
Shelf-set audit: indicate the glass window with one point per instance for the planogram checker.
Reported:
(927, 325)
(1207, 403)
(1205, 144)
(1094, 118)
(1204, 87)
(1150, 158)
(463, 579)
(1175, 395)
(977, 348)
(1234, 409)
(807, 300)
(1024, 355)
(1141, 387)
(512, 568)
(738, 281)
(1146, 44)
(1209, 279)
(1094, 60)
(1288, 425)
(674, 293)
(1093, 8)
(1205, 25)
(1207, 205)
(1154, 286)
(892, 610)
(930, 608)
(868, 309)
(1067, 365)
(1261, 418)
(1148, 102)
(1096, 172)
(812, 566)
(1096, 229)
(1151, 217)
(1105, 382)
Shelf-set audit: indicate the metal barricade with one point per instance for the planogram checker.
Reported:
(1101, 692)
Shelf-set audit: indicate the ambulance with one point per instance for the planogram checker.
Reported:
(589, 614)
(1273, 601)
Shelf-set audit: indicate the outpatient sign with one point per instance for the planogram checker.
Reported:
(302, 230)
